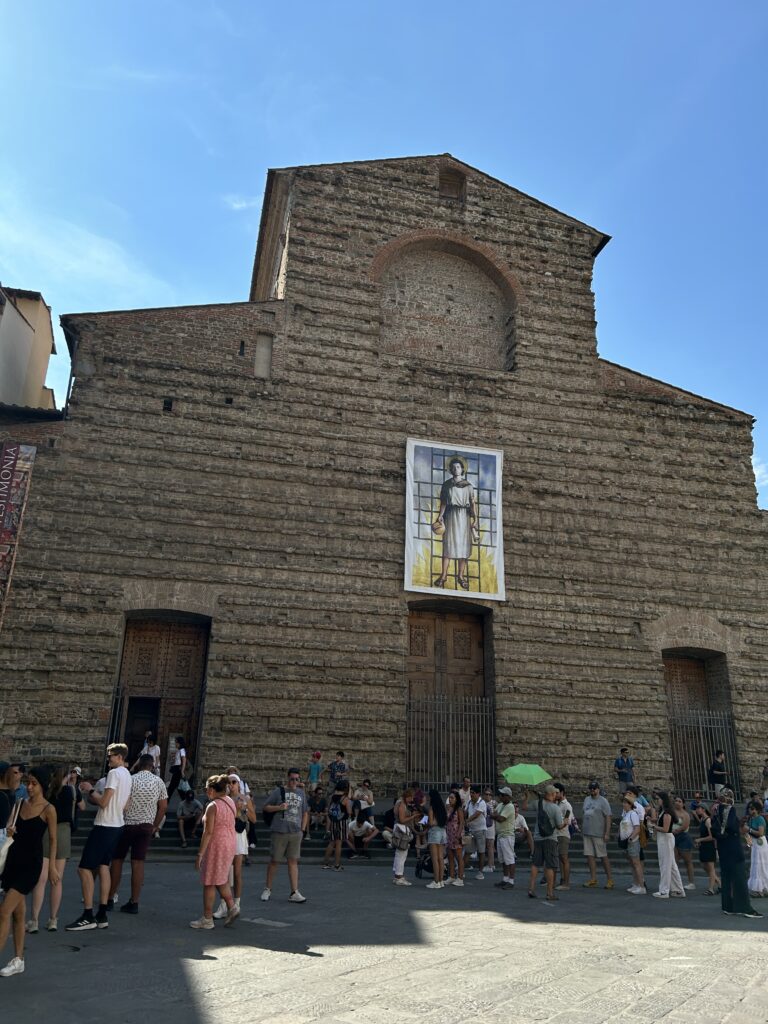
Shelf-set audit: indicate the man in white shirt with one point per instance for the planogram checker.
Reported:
(475, 815)
(102, 840)
(564, 837)
(144, 814)
(465, 792)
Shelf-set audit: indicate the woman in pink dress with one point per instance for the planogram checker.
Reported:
(217, 851)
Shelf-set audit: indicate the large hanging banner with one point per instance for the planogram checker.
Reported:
(453, 536)
(16, 461)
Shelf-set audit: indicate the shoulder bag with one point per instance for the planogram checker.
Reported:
(8, 841)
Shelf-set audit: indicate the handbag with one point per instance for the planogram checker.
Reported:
(401, 837)
(8, 841)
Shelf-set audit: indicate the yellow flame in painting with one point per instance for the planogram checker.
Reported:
(423, 574)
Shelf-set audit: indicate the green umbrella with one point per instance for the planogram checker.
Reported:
(525, 774)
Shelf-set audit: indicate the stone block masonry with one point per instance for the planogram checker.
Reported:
(271, 502)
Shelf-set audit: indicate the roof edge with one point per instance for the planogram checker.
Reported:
(674, 387)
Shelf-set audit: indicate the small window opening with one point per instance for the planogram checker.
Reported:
(228, 400)
(452, 185)
(167, 405)
(242, 349)
(262, 366)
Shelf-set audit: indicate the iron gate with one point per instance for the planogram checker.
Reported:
(448, 738)
(695, 735)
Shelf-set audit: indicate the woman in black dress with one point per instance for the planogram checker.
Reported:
(35, 817)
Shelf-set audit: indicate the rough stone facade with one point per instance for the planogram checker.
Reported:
(273, 504)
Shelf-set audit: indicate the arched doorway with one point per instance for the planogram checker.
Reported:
(450, 711)
(161, 683)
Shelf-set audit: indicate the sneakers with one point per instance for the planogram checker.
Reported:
(102, 921)
(751, 913)
(220, 912)
(457, 881)
(679, 894)
(401, 881)
(31, 927)
(637, 890)
(433, 885)
(266, 893)
(562, 888)
(15, 966)
(661, 895)
(480, 876)
(296, 897)
(591, 884)
(232, 914)
(691, 885)
(84, 923)
(608, 884)
(53, 924)
(129, 908)
(202, 922)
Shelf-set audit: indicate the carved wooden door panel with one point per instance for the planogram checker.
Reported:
(445, 655)
(166, 660)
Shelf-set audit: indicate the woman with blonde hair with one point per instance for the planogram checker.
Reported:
(245, 814)
(217, 851)
(669, 875)
(64, 798)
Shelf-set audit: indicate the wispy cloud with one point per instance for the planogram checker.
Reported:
(84, 269)
(235, 202)
(760, 467)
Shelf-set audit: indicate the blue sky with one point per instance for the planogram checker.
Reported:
(136, 138)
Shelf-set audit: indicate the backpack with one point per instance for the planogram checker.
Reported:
(336, 811)
(546, 828)
(269, 815)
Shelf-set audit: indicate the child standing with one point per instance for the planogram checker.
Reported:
(314, 770)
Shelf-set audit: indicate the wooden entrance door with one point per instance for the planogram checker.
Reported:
(449, 722)
(445, 655)
(166, 660)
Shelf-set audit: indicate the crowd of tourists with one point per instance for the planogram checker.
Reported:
(472, 828)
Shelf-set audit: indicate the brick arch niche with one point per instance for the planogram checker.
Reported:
(446, 300)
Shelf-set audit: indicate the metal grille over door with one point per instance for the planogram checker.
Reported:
(696, 729)
(450, 721)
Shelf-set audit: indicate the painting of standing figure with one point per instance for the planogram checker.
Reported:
(454, 542)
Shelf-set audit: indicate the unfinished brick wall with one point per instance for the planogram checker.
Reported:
(280, 514)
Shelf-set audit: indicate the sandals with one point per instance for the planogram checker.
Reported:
(463, 582)
(438, 582)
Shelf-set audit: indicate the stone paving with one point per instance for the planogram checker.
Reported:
(362, 950)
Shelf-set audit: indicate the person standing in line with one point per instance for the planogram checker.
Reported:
(670, 882)
(596, 830)
(726, 829)
(549, 818)
(63, 798)
(338, 821)
(683, 841)
(629, 833)
(564, 838)
(74, 779)
(178, 767)
(216, 853)
(465, 792)
(290, 814)
(454, 838)
(436, 837)
(707, 850)
(718, 773)
(758, 846)
(144, 812)
(103, 838)
(624, 770)
(490, 831)
(32, 818)
(245, 814)
(406, 813)
(475, 817)
(504, 817)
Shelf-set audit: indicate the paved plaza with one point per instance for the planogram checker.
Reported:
(362, 950)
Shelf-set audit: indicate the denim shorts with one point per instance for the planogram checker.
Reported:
(436, 836)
